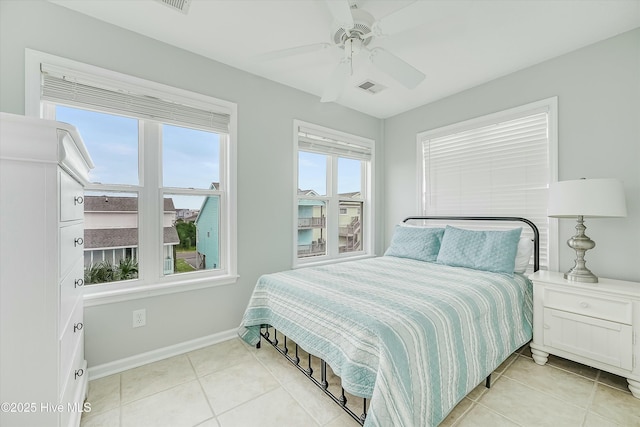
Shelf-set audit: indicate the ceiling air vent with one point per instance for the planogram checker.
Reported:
(371, 87)
(179, 5)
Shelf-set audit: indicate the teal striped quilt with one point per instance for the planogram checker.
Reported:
(414, 337)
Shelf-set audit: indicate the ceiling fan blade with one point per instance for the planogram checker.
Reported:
(341, 12)
(336, 82)
(395, 67)
(410, 16)
(297, 50)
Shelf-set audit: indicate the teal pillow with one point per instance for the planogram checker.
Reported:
(481, 250)
(418, 243)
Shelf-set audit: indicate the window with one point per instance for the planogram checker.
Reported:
(160, 205)
(497, 165)
(333, 202)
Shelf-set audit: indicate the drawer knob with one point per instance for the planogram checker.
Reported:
(546, 326)
(78, 241)
(77, 327)
(78, 373)
(78, 200)
(584, 304)
(79, 282)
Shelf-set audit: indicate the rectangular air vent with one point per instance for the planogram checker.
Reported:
(179, 5)
(371, 86)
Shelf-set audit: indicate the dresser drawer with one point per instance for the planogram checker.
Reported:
(589, 305)
(75, 375)
(73, 395)
(71, 246)
(71, 342)
(71, 291)
(71, 198)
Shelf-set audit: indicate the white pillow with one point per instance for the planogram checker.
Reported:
(523, 256)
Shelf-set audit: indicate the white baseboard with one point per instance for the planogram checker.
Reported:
(117, 366)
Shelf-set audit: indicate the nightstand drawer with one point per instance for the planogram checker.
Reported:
(596, 339)
(589, 305)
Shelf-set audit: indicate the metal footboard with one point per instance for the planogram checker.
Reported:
(284, 347)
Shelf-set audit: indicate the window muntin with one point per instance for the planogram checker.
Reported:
(191, 162)
(333, 195)
(498, 165)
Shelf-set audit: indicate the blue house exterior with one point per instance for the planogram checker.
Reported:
(311, 224)
(208, 233)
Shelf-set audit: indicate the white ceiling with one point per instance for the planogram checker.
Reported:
(459, 43)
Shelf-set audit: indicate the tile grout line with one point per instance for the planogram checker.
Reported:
(243, 403)
(553, 396)
(204, 393)
(464, 414)
(499, 414)
(592, 397)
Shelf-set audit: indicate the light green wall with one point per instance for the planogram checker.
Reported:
(598, 90)
(266, 111)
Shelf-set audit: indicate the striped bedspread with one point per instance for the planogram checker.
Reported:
(415, 337)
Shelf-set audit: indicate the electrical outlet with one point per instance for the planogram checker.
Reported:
(139, 318)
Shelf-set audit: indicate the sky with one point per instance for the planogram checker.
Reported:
(191, 158)
(312, 173)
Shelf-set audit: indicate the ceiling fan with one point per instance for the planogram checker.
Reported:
(354, 29)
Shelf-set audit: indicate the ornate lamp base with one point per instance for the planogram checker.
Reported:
(581, 243)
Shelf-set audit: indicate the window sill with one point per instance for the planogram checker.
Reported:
(108, 296)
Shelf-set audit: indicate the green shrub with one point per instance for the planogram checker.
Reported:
(102, 272)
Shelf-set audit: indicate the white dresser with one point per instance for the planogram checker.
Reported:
(43, 374)
(592, 323)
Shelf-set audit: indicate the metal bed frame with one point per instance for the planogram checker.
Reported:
(322, 382)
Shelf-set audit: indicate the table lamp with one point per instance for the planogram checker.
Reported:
(585, 198)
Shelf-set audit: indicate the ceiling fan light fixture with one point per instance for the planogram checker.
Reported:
(353, 46)
(362, 23)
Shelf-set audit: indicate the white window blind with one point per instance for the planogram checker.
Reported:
(60, 86)
(317, 141)
(491, 169)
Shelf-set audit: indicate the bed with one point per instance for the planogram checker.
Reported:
(411, 332)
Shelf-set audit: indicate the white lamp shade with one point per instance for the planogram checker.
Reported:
(587, 197)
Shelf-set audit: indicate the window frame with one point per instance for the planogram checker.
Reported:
(152, 281)
(332, 199)
(549, 105)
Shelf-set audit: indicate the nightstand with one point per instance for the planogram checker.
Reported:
(591, 323)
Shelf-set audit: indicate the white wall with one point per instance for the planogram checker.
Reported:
(265, 163)
(598, 89)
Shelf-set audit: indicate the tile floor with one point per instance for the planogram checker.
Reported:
(232, 384)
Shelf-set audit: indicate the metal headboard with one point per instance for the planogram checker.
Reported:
(536, 234)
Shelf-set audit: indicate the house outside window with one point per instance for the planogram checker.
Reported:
(333, 200)
(162, 156)
(495, 165)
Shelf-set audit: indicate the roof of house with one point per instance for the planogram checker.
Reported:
(352, 194)
(306, 192)
(118, 204)
(313, 193)
(122, 237)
